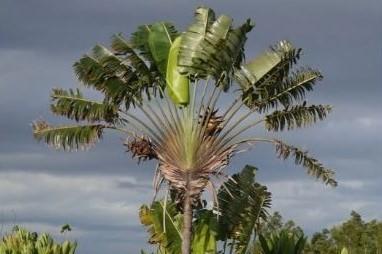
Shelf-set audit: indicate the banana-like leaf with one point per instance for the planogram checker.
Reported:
(211, 47)
(154, 41)
(177, 84)
(268, 69)
(72, 137)
(121, 75)
(242, 204)
(140, 41)
(296, 117)
(122, 47)
(192, 43)
(205, 233)
(118, 87)
(161, 37)
(73, 105)
(164, 229)
(163, 224)
(125, 50)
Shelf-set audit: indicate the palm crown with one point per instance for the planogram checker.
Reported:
(162, 88)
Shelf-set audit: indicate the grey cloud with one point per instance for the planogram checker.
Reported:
(335, 204)
(95, 207)
(134, 185)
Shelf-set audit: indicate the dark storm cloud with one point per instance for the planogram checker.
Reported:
(103, 188)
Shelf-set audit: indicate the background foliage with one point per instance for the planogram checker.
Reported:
(21, 241)
(354, 234)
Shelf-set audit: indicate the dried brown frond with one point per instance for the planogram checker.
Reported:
(141, 147)
(214, 122)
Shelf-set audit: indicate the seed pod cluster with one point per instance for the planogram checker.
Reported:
(214, 122)
(141, 147)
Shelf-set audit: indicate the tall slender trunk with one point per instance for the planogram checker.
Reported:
(187, 219)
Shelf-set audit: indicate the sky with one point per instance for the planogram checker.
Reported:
(98, 192)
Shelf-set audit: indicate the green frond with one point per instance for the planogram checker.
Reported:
(153, 41)
(90, 72)
(125, 50)
(192, 43)
(177, 84)
(21, 241)
(296, 117)
(270, 67)
(123, 76)
(140, 41)
(119, 82)
(161, 37)
(93, 74)
(130, 69)
(243, 203)
(74, 106)
(236, 40)
(120, 67)
(313, 166)
(122, 46)
(205, 232)
(211, 47)
(284, 241)
(68, 137)
(293, 88)
(163, 223)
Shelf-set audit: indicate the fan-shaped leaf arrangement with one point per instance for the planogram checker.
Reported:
(162, 89)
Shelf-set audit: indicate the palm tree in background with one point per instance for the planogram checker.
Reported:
(162, 90)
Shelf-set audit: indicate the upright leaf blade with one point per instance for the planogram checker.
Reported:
(177, 84)
(160, 39)
(205, 233)
(268, 69)
(211, 47)
(167, 235)
(242, 203)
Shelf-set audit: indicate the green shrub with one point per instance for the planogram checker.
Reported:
(20, 241)
(283, 242)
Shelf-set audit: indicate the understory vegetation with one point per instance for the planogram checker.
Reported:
(276, 236)
(21, 241)
(352, 236)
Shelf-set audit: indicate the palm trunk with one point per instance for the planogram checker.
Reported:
(187, 219)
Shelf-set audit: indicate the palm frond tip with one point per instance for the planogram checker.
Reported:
(68, 137)
(314, 167)
(74, 106)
